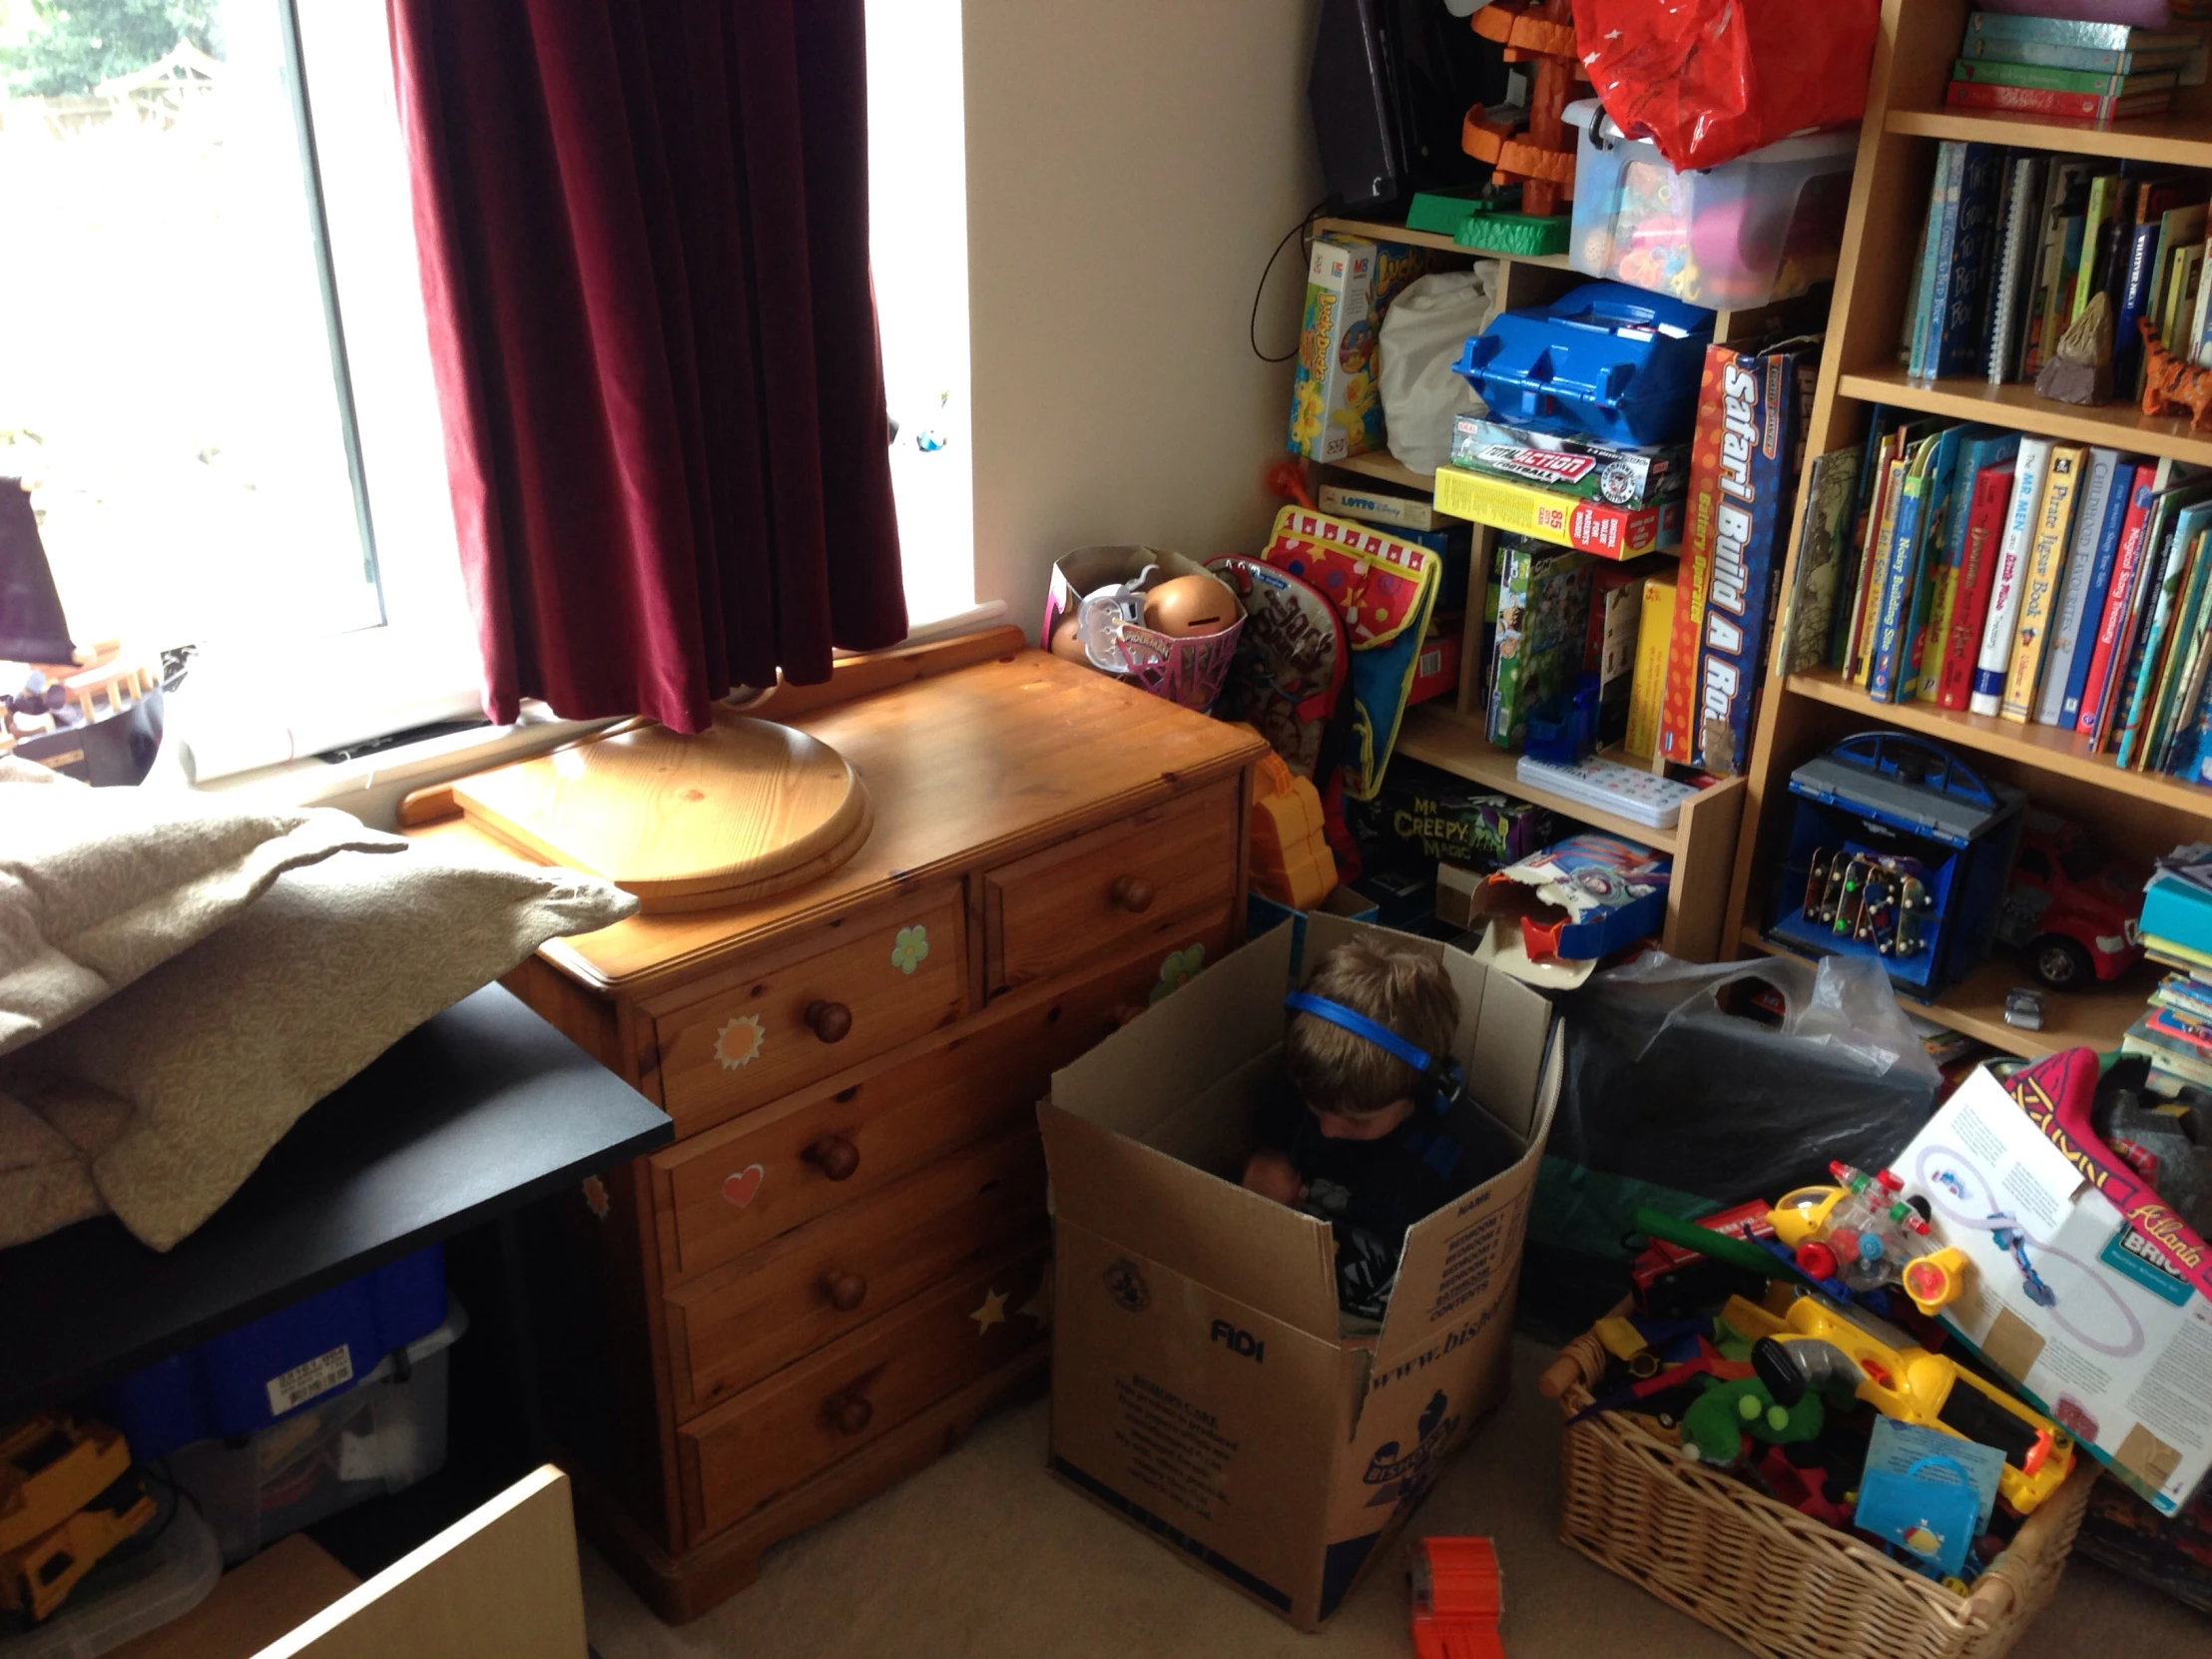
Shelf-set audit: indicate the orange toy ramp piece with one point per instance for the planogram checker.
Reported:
(1290, 861)
(1458, 1598)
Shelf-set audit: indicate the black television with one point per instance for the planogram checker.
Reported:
(1392, 80)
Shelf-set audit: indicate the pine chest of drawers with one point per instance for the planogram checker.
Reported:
(843, 1258)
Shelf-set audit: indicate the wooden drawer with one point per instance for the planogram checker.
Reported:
(738, 1186)
(776, 1433)
(765, 1310)
(1128, 881)
(818, 1009)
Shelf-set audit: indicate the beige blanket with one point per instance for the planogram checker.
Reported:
(178, 1067)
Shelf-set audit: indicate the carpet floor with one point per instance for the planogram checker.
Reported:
(984, 1554)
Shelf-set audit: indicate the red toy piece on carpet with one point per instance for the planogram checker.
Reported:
(1458, 1598)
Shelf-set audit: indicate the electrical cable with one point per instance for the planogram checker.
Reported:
(1252, 327)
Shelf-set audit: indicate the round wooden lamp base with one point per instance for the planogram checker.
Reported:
(733, 814)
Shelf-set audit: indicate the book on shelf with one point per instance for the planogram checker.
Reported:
(2171, 704)
(2098, 514)
(2090, 59)
(2064, 210)
(1993, 494)
(2171, 500)
(1921, 506)
(1928, 633)
(2117, 84)
(1647, 690)
(2097, 110)
(1936, 273)
(2062, 482)
(1996, 656)
(2174, 1058)
(2184, 280)
(2019, 253)
(2082, 608)
(2156, 629)
(1988, 29)
(1807, 618)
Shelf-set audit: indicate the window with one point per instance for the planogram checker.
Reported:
(217, 382)
(917, 234)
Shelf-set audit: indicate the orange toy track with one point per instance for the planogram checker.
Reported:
(1459, 1598)
(1541, 157)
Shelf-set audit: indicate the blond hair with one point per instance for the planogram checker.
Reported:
(1410, 995)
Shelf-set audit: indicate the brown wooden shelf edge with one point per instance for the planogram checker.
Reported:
(2120, 424)
(2094, 1018)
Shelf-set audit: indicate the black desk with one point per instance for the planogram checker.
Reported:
(477, 1111)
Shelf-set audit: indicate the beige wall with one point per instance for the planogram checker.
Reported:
(1130, 163)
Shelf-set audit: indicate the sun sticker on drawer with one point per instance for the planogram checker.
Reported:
(740, 1040)
(1178, 969)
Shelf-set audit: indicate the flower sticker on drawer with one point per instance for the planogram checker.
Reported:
(909, 948)
(1178, 970)
(738, 1041)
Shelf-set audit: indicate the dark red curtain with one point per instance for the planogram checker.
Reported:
(643, 248)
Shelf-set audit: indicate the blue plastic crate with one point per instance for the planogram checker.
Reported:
(283, 1362)
(1605, 360)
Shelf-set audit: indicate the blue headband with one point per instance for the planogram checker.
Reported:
(1442, 1071)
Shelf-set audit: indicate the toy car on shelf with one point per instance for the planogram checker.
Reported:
(2072, 907)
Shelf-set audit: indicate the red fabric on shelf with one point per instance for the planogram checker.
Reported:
(643, 245)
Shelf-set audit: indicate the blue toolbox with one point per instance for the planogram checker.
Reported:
(247, 1379)
(1899, 851)
(1604, 361)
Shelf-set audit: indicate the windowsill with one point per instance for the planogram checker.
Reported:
(372, 786)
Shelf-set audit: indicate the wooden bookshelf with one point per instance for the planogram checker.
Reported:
(1702, 843)
(1385, 468)
(2122, 425)
(2094, 1018)
(2180, 138)
(1802, 715)
(1376, 231)
(2044, 747)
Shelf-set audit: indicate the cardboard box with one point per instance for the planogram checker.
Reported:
(1201, 1386)
(1648, 683)
(1395, 512)
(2112, 1336)
(1594, 527)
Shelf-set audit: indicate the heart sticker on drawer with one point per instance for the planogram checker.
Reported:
(739, 1189)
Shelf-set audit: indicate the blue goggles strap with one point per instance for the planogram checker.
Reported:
(1442, 1071)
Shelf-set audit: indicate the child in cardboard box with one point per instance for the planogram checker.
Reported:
(1372, 1134)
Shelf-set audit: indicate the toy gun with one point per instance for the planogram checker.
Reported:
(1825, 1350)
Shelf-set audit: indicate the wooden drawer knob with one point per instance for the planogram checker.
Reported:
(1132, 893)
(834, 1156)
(845, 1288)
(851, 1412)
(829, 1020)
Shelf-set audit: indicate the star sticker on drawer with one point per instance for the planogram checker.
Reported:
(738, 1041)
(993, 1312)
(1039, 1307)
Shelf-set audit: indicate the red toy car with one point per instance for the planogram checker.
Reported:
(2071, 907)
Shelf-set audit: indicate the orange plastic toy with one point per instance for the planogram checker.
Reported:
(1290, 861)
(1540, 158)
(1459, 1598)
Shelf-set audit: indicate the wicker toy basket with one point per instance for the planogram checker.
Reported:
(1771, 1578)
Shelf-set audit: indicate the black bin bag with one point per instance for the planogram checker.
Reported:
(1671, 1101)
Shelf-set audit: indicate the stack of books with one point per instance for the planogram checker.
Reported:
(2175, 1032)
(2095, 73)
(2040, 582)
(2016, 244)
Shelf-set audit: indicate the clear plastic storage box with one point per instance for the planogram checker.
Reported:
(163, 1574)
(381, 1435)
(1766, 225)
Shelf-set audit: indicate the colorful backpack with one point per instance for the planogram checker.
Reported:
(1384, 589)
(1291, 661)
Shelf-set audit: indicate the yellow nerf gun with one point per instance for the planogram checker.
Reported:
(1823, 1349)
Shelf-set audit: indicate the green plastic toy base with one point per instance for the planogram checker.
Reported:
(1513, 234)
(1441, 213)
